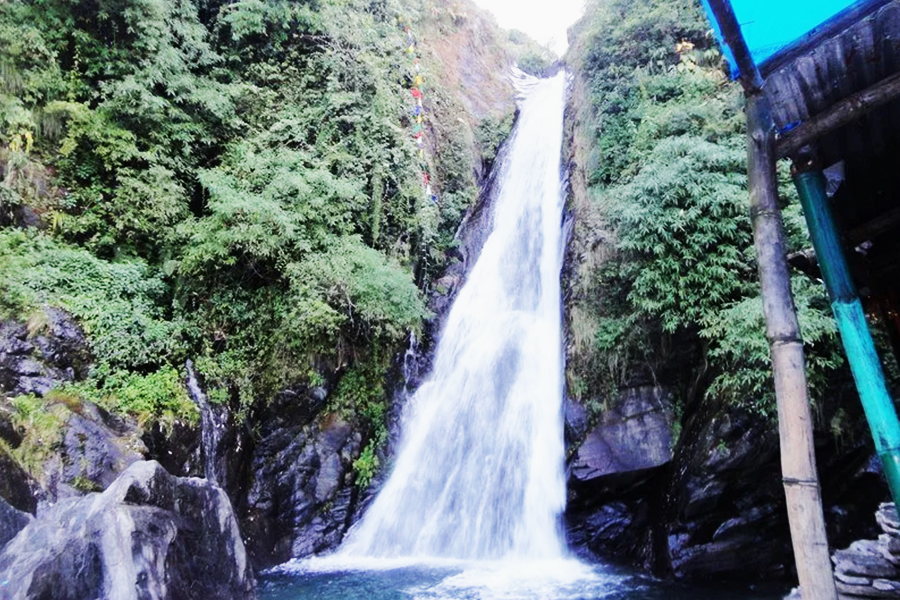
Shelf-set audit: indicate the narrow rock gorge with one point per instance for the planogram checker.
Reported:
(231, 234)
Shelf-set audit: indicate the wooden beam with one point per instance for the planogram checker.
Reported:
(731, 33)
(871, 230)
(839, 114)
(798, 458)
(830, 28)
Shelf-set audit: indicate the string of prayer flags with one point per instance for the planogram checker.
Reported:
(418, 111)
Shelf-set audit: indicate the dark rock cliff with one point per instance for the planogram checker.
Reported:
(33, 364)
(299, 498)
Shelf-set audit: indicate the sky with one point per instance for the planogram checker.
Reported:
(544, 20)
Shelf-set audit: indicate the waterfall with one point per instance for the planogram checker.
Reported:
(211, 426)
(479, 470)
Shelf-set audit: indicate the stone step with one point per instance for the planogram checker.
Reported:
(887, 518)
(865, 558)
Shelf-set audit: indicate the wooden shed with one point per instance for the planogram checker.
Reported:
(822, 80)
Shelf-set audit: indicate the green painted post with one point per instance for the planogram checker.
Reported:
(851, 321)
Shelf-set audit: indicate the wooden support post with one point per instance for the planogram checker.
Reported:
(848, 312)
(798, 461)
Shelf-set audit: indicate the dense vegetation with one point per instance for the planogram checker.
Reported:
(237, 183)
(232, 182)
(666, 287)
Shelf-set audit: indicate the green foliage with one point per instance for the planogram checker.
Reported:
(737, 343)
(366, 467)
(491, 134)
(361, 394)
(158, 396)
(531, 57)
(621, 45)
(376, 295)
(232, 182)
(682, 220)
(671, 269)
(119, 305)
(361, 390)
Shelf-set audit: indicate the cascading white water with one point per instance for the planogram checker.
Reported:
(479, 472)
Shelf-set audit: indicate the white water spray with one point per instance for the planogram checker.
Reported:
(479, 472)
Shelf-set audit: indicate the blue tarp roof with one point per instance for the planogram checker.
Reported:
(770, 26)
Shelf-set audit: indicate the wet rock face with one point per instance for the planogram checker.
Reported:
(725, 510)
(97, 447)
(635, 434)
(716, 510)
(17, 488)
(33, 364)
(712, 508)
(149, 536)
(614, 476)
(301, 497)
(93, 448)
(12, 521)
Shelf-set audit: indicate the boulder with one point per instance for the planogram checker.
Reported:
(737, 557)
(606, 527)
(576, 421)
(9, 433)
(149, 536)
(886, 517)
(864, 558)
(614, 476)
(850, 592)
(725, 515)
(713, 508)
(635, 434)
(98, 446)
(94, 448)
(871, 568)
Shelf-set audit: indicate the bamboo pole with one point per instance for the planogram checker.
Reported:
(851, 321)
(798, 461)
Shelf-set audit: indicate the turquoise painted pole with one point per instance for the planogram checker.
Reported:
(851, 321)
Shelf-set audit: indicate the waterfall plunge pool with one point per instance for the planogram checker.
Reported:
(565, 579)
(479, 475)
